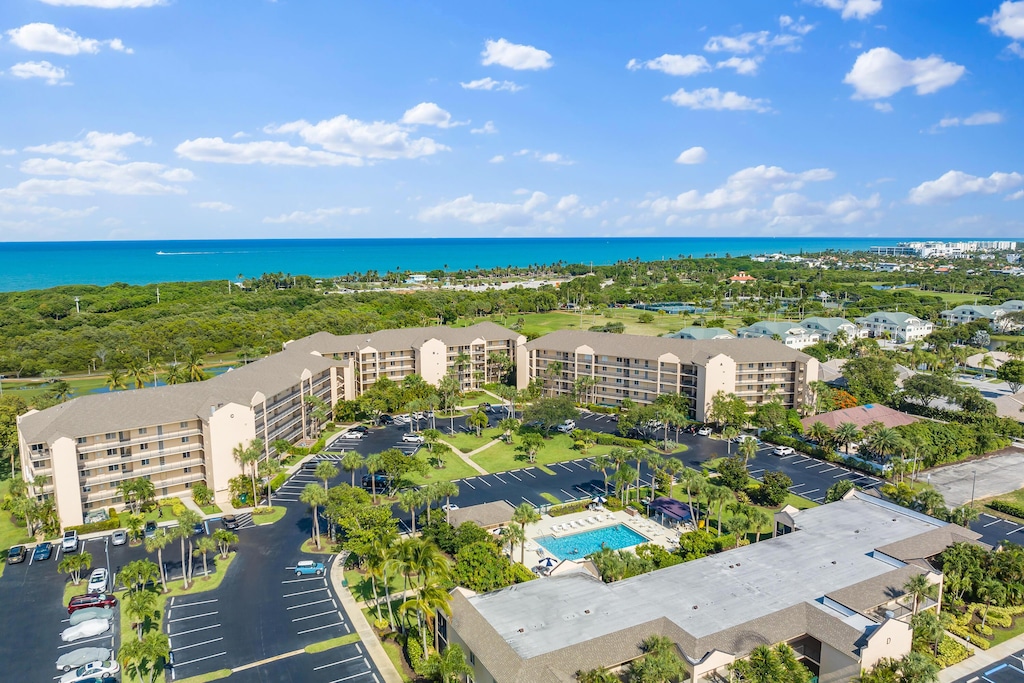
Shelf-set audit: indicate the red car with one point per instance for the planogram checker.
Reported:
(95, 600)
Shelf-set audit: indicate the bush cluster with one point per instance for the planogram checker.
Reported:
(1007, 508)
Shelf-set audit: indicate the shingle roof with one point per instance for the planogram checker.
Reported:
(326, 343)
(701, 333)
(876, 591)
(484, 515)
(862, 416)
(120, 410)
(695, 351)
(891, 317)
(832, 325)
(770, 327)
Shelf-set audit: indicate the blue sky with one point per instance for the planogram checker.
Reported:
(144, 119)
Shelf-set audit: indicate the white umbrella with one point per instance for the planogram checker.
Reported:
(601, 499)
(548, 562)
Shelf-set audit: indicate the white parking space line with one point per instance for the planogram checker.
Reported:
(817, 464)
(527, 471)
(499, 478)
(176, 605)
(315, 590)
(466, 482)
(991, 523)
(801, 462)
(806, 494)
(796, 486)
(513, 476)
(199, 644)
(315, 602)
(571, 497)
(349, 678)
(340, 661)
(486, 482)
(195, 630)
(1015, 530)
(314, 616)
(194, 616)
(311, 578)
(841, 474)
(178, 665)
(580, 465)
(319, 628)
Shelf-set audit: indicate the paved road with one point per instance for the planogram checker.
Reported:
(1007, 670)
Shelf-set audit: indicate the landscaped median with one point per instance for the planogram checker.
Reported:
(313, 649)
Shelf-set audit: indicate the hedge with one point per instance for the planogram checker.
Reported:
(798, 445)
(621, 441)
(278, 481)
(1012, 509)
(568, 508)
(414, 651)
(108, 525)
(970, 637)
(951, 652)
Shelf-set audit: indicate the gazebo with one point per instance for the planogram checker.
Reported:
(670, 512)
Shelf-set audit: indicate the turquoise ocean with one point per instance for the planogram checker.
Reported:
(38, 265)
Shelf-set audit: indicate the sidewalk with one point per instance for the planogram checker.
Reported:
(465, 457)
(358, 620)
(982, 660)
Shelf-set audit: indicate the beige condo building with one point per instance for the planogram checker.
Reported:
(640, 368)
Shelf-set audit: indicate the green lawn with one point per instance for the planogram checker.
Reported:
(360, 587)
(10, 533)
(503, 456)
(207, 678)
(467, 442)
(325, 645)
(954, 298)
(1015, 497)
(211, 509)
(270, 517)
(454, 468)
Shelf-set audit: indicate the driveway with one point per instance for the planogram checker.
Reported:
(996, 474)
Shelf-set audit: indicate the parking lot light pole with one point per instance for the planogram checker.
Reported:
(106, 551)
(973, 484)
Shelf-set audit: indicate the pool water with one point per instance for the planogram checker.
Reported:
(578, 546)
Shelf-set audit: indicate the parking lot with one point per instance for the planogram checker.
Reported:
(1008, 670)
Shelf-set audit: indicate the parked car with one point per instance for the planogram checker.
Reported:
(783, 450)
(385, 420)
(87, 629)
(69, 543)
(229, 522)
(746, 437)
(17, 554)
(704, 431)
(90, 613)
(83, 655)
(567, 426)
(150, 529)
(119, 537)
(352, 435)
(412, 438)
(94, 600)
(450, 508)
(381, 483)
(98, 580)
(199, 529)
(362, 429)
(42, 552)
(486, 407)
(309, 567)
(88, 672)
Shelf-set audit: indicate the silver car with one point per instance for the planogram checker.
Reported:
(89, 613)
(86, 629)
(81, 656)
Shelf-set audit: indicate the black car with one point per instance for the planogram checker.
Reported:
(381, 483)
(16, 554)
(198, 529)
(362, 429)
(229, 522)
(150, 529)
(385, 420)
(486, 407)
(42, 552)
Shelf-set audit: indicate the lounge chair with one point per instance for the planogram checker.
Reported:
(593, 520)
(556, 527)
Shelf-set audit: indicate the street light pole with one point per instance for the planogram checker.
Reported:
(973, 483)
(106, 551)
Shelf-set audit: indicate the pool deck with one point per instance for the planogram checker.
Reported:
(567, 525)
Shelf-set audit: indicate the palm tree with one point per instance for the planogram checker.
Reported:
(885, 441)
(478, 421)
(204, 546)
(194, 367)
(182, 532)
(373, 463)
(919, 587)
(352, 462)
(156, 543)
(139, 605)
(820, 433)
(729, 433)
(224, 540)
(175, 374)
(249, 455)
(139, 372)
(748, 449)
(430, 437)
(74, 565)
(918, 667)
(427, 600)
(448, 489)
(524, 514)
(624, 476)
(137, 574)
(314, 496)
(603, 463)
(718, 495)
(116, 380)
(758, 520)
(598, 675)
(325, 470)
(449, 666)
(845, 434)
(991, 591)
(507, 426)
(513, 535)
(554, 371)
(409, 501)
(694, 482)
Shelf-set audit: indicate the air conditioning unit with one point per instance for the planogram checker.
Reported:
(889, 614)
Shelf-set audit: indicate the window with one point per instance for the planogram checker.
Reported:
(143, 446)
(183, 425)
(142, 430)
(113, 468)
(145, 461)
(472, 658)
(111, 451)
(110, 435)
(81, 439)
(186, 455)
(82, 456)
(86, 489)
(184, 439)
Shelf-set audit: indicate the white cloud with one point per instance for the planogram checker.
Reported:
(694, 155)
(554, 158)
(371, 140)
(745, 66)
(46, 212)
(673, 65)
(54, 75)
(429, 114)
(7, 152)
(981, 118)
(748, 42)
(531, 211)
(1019, 194)
(240, 135)
(956, 184)
(92, 177)
(491, 84)
(316, 216)
(223, 207)
(883, 107)
(106, 4)
(713, 98)
(851, 9)
(94, 146)
(880, 73)
(497, 159)
(795, 25)
(1008, 21)
(487, 129)
(39, 37)
(514, 56)
(269, 152)
(744, 187)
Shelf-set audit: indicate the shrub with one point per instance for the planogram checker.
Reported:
(414, 651)
(278, 481)
(725, 543)
(569, 508)
(972, 638)
(263, 510)
(983, 629)
(520, 574)
(1012, 509)
(108, 525)
(620, 441)
(797, 444)
(951, 652)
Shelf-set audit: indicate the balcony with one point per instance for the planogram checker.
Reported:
(144, 438)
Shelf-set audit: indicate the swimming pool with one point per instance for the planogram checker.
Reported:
(578, 546)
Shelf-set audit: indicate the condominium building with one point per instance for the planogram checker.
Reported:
(830, 328)
(902, 327)
(174, 436)
(830, 584)
(640, 368)
(968, 313)
(792, 335)
(702, 333)
(431, 352)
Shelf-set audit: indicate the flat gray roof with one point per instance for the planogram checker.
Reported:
(831, 550)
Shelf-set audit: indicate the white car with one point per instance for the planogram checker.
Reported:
(86, 629)
(412, 438)
(352, 435)
(746, 437)
(450, 508)
(567, 426)
(83, 655)
(91, 671)
(704, 431)
(98, 580)
(783, 450)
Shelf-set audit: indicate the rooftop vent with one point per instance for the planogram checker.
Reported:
(695, 607)
(522, 630)
(586, 611)
(833, 561)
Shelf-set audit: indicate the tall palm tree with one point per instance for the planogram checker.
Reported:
(448, 666)
(139, 605)
(758, 520)
(204, 546)
(820, 433)
(156, 543)
(513, 535)
(524, 514)
(603, 463)
(352, 462)
(175, 374)
(919, 587)
(194, 366)
(694, 482)
(918, 667)
(729, 433)
(325, 471)
(116, 380)
(314, 496)
(409, 501)
(885, 441)
(373, 463)
(554, 372)
(181, 532)
(718, 495)
(448, 489)
(139, 371)
(249, 456)
(845, 434)
(427, 600)
(748, 449)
